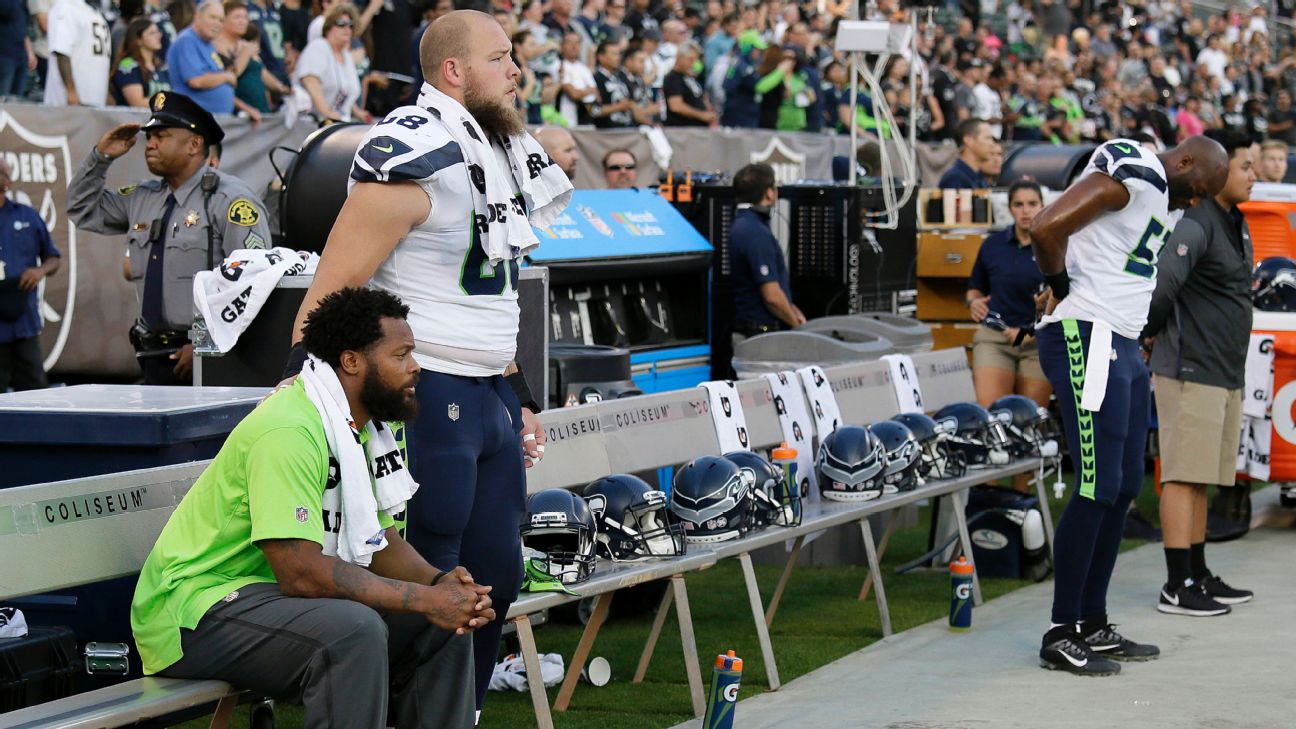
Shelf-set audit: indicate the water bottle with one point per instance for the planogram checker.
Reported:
(725, 679)
(960, 618)
(785, 458)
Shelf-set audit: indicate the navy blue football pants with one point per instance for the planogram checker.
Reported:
(1107, 449)
(466, 454)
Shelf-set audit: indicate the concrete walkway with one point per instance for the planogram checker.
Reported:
(1236, 671)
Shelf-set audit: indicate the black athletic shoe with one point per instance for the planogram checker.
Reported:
(1190, 598)
(1105, 641)
(1223, 593)
(1064, 650)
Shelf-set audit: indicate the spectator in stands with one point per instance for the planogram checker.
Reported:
(686, 106)
(590, 24)
(17, 57)
(742, 107)
(578, 87)
(327, 71)
(195, 66)
(316, 29)
(140, 71)
(614, 108)
(721, 41)
(761, 285)
(1282, 120)
(647, 110)
(988, 93)
(1001, 296)
(560, 145)
(614, 20)
(38, 11)
(673, 35)
(1188, 120)
(80, 50)
(620, 169)
(248, 581)
(1273, 161)
(27, 256)
(264, 16)
(976, 145)
(240, 57)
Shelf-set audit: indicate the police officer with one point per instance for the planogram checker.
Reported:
(175, 226)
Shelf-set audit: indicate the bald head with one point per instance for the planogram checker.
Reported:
(1195, 170)
(452, 36)
(559, 144)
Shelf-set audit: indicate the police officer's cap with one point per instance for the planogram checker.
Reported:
(177, 111)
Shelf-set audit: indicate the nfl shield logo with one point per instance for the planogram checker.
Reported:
(303, 515)
(453, 411)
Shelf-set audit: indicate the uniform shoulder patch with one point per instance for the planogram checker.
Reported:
(243, 212)
(126, 189)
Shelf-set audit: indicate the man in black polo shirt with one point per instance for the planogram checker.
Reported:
(762, 289)
(685, 104)
(976, 145)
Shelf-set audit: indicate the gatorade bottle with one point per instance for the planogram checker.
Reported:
(785, 458)
(960, 595)
(724, 692)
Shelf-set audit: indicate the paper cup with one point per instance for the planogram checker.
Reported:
(597, 671)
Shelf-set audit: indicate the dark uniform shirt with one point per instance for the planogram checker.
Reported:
(686, 87)
(1006, 271)
(755, 259)
(961, 177)
(24, 243)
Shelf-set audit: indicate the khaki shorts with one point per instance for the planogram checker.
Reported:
(991, 349)
(1200, 429)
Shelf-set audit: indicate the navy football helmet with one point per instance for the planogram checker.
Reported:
(938, 460)
(1273, 285)
(1029, 427)
(773, 503)
(903, 455)
(981, 439)
(851, 465)
(633, 519)
(559, 532)
(712, 498)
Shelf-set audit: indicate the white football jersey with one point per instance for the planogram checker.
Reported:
(464, 312)
(1112, 260)
(79, 32)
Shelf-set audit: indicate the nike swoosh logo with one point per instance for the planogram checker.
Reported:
(1173, 600)
(1080, 663)
(386, 149)
(1124, 148)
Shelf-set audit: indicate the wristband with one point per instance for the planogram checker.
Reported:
(437, 579)
(522, 391)
(296, 360)
(1060, 283)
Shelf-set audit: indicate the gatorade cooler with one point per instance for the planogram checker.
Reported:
(1282, 440)
(1271, 216)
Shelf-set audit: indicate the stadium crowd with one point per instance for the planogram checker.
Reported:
(1051, 70)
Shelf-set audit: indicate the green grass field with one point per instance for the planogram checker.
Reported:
(819, 621)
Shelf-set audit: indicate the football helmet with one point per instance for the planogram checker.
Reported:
(773, 503)
(559, 532)
(632, 518)
(712, 498)
(981, 438)
(1029, 427)
(851, 465)
(1273, 285)
(938, 460)
(903, 455)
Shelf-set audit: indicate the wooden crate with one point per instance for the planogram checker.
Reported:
(947, 255)
(949, 335)
(942, 299)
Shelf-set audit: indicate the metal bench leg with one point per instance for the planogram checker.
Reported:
(224, 710)
(689, 643)
(658, 621)
(1041, 492)
(879, 594)
(535, 682)
(762, 630)
(783, 579)
(583, 651)
(892, 519)
(960, 518)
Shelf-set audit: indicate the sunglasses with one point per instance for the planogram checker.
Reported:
(620, 168)
(342, 24)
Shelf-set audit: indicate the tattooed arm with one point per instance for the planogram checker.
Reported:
(302, 570)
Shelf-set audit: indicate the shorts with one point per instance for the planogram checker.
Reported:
(991, 349)
(1200, 429)
(1108, 445)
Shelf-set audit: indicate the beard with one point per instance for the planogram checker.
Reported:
(496, 116)
(386, 403)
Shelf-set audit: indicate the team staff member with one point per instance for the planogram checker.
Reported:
(1201, 318)
(620, 170)
(407, 227)
(240, 587)
(1097, 246)
(27, 255)
(175, 226)
(762, 288)
(976, 147)
(1001, 295)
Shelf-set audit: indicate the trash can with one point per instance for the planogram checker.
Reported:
(779, 351)
(906, 334)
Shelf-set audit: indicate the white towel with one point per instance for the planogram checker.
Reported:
(1253, 452)
(822, 401)
(1257, 393)
(545, 189)
(230, 297)
(727, 415)
(362, 496)
(1097, 366)
(510, 673)
(794, 421)
(904, 378)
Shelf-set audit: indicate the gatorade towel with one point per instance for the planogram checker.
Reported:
(727, 415)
